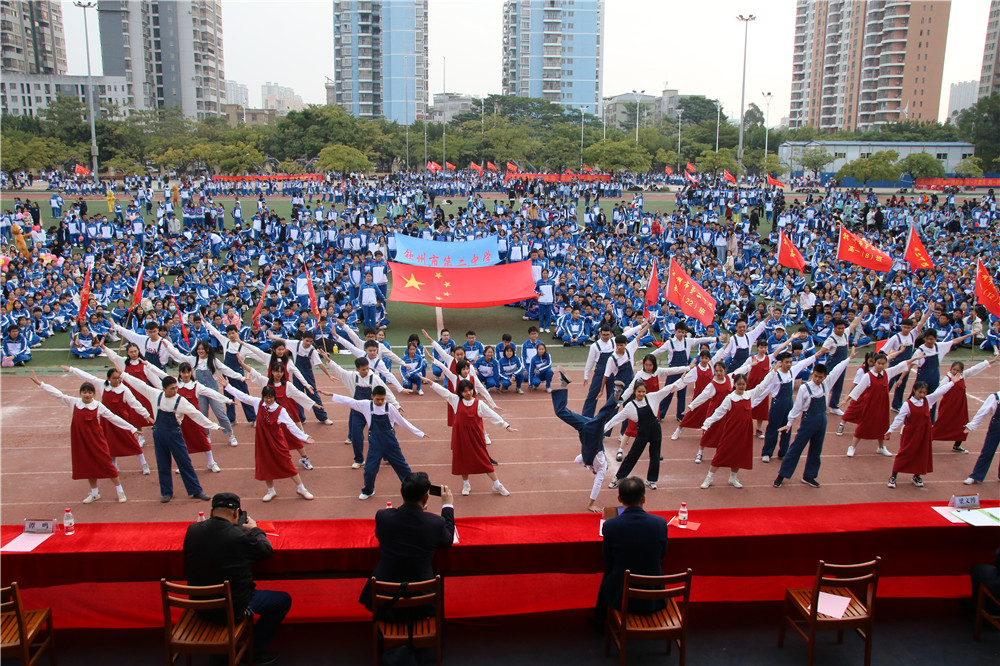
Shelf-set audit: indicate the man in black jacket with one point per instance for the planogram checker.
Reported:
(220, 549)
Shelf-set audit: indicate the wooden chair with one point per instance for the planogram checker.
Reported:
(857, 582)
(24, 631)
(415, 632)
(983, 613)
(193, 635)
(667, 624)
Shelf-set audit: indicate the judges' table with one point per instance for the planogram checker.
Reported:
(754, 551)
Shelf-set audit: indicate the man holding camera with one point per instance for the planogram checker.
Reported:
(224, 547)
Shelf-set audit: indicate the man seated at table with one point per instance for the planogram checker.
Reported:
(988, 575)
(221, 549)
(635, 541)
(408, 536)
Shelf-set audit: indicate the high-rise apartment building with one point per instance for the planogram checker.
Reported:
(237, 93)
(31, 37)
(380, 58)
(554, 49)
(170, 52)
(280, 98)
(989, 79)
(962, 96)
(859, 65)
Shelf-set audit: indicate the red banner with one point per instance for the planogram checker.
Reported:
(84, 297)
(491, 166)
(690, 167)
(512, 167)
(433, 166)
(667, 170)
(728, 176)
(957, 182)
(137, 292)
(475, 167)
(313, 301)
(774, 182)
(480, 287)
(278, 176)
(260, 303)
(690, 178)
(916, 253)
(856, 250)
(689, 296)
(180, 315)
(986, 290)
(789, 255)
(559, 177)
(652, 290)
(449, 166)
(81, 170)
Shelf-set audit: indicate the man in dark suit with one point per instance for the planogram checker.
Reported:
(409, 536)
(634, 541)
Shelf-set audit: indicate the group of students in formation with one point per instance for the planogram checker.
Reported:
(733, 391)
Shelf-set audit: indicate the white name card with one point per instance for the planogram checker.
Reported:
(964, 501)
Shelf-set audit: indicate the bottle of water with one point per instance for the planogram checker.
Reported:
(388, 505)
(201, 516)
(682, 515)
(69, 525)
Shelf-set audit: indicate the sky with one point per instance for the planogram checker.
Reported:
(694, 47)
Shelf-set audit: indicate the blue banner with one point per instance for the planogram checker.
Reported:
(447, 254)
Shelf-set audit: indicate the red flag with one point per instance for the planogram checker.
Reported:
(728, 176)
(587, 169)
(774, 181)
(313, 301)
(856, 250)
(789, 255)
(690, 167)
(81, 170)
(260, 303)
(916, 253)
(433, 166)
(652, 290)
(689, 296)
(484, 286)
(511, 167)
(475, 167)
(184, 328)
(986, 290)
(667, 170)
(690, 177)
(880, 344)
(449, 165)
(84, 297)
(491, 166)
(137, 292)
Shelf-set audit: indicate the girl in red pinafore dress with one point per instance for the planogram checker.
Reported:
(88, 447)
(754, 378)
(870, 402)
(288, 397)
(953, 412)
(853, 413)
(704, 405)
(133, 364)
(915, 455)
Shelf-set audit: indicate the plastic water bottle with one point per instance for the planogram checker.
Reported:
(388, 505)
(69, 525)
(682, 515)
(201, 516)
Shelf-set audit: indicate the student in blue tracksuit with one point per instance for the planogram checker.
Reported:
(488, 369)
(511, 369)
(414, 367)
(540, 369)
(448, 345)
(369, 297)
(85, 344)
(16, 350)
(575, 330)
(473, 348)
(545, 294)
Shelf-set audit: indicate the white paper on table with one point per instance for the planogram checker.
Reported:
(25, 543)
(992, 512)
(948, 513)
(976, 518)
(832, 605)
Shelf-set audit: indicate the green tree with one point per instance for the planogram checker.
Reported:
(664, 158)
(815, 159)
(64, 119)
(980, 125)
(617, 155)
(970, 167)
(342, 158)
(698, 109)
(880, 166)
(753, 117)
(716, 162)
(921, 165)
(772, 165)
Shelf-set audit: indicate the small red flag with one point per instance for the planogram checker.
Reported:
(667, 170)
(137, 292)
(728, 176)
(511, 167)
(880, 344)
(480, 287)
(690, 177)
(689, 296)
(84, 297)
(313, 301)
(652, 290)
(260, 303)
(587, 169)
(81, 170)
(491, 166)
(449, 165)
(856, 250)
(774, 181)
(690, 167)
(433, 166)
(789, 255)
(184, 328)
(475, 167)
(916, 253)
(986, 290)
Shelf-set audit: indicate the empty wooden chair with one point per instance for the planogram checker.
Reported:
(856, 582)
(667, 624)
(983, 599)
(193, 635)
(398, 617)
(26, 634)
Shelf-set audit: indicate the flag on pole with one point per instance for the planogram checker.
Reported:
(690, 178)
(491, 166)
(667, 170)
(433, 166)
(84, 297)
(789, 255)
(986, 290)
(774, 182)
(880, 344)
(587, 169)
(480, 287)
(449, 166)
(475, 167)
(652, 290)
(260, 303)
(511, 167)
(184, 328)
(81, 170)
(856, 250)
(689, 296)
(728, 176)
(313, 301)
(137, 292)
(690, 167)
(916, 253)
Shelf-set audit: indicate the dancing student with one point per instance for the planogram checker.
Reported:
(488, 368)
(465, 372)
(306, 356)
(706, 402)
(135, 365)
(360, 382)
(780, 391)
(867, 364)
(540, 369)
(869, 407)
(953, 414)
(619, 366)
(151, 346)
(168, 438)
(811, 403)
(741, 343)
(194, 391)
(413, 376)
(511, 370)
(654, 378)
(85, 344)
(990, 411)
(204, 367)
(642, 409)
(371, 350)
(735, 429)
(916, 455)
(272, 459)
(88, 445)
(905, 342)
(597, 359)
(591, 434)
(288, 397)
(838, 347)
(447, 344)
(117, 397)
(280, 353)
(699, 375)
(679, 345)
(468, 445)
(754, 378)
(380, 416)
(927, 360)
(233, 351)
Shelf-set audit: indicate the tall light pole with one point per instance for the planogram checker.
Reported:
(767, 112)
(680, 111)
(581, 138)
(743, 90)
(406, 95)
(636, 95)
(91, 102)
(718, 120)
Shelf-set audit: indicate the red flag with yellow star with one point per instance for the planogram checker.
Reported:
(480, 287)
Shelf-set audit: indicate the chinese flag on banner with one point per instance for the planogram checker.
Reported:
(587, 169)
(260, 303)
(137, 292)
(667, 170)
(916, 253)
(690, 167)
(728, 176)
(449, 165)
(789, 255)
(511, 167)
(774, 182)
(184, 328)
(84, 297)
(475, 167)
(986, 290)
(491, 166)
(81, 170)
(652, 290)
(313, 301)
(689, 296)
(856, 250)
(480, 287)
